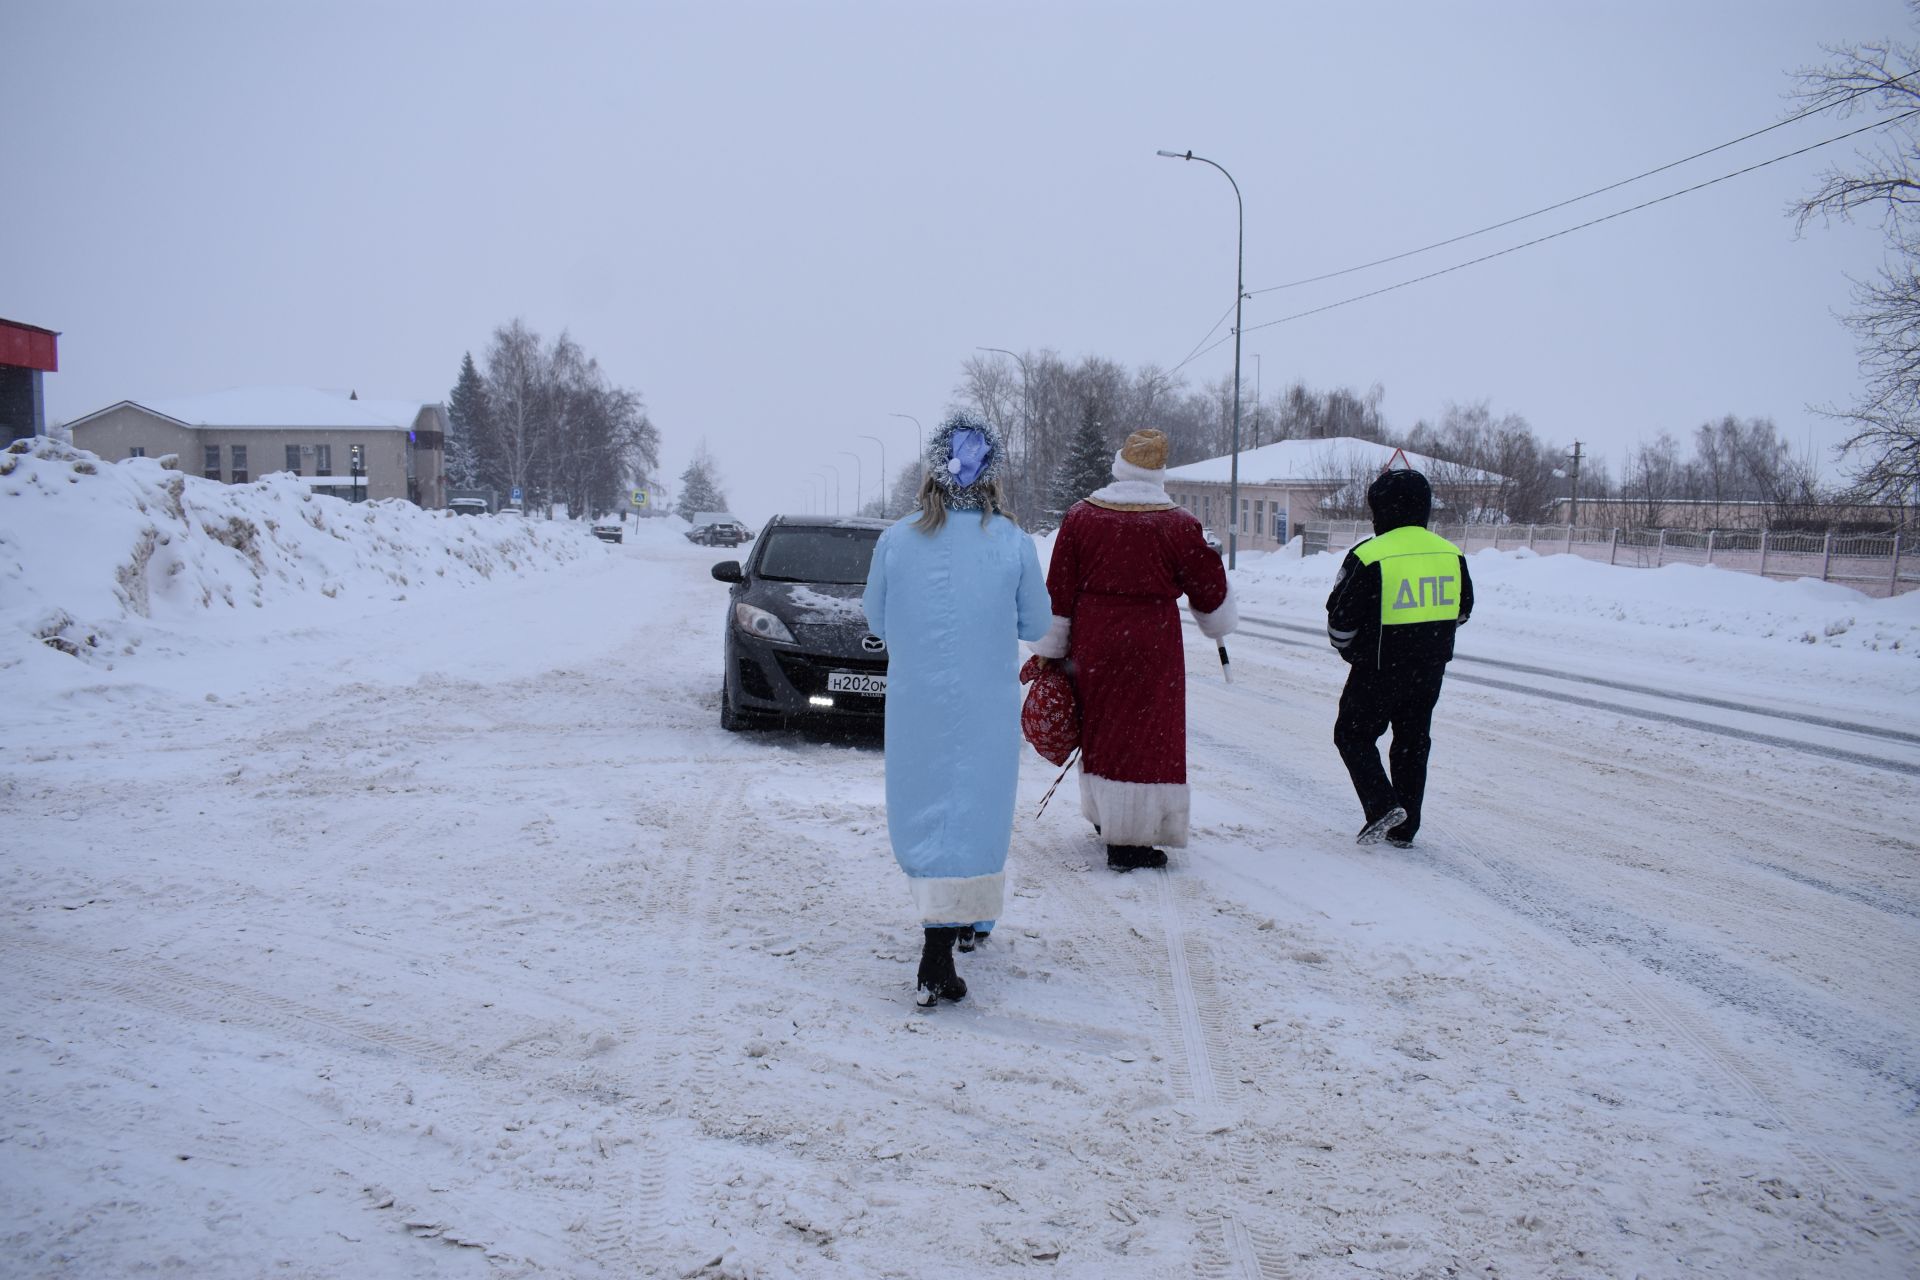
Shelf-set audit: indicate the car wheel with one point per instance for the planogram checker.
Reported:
(732, 718)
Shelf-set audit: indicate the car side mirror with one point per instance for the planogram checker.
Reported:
(728, 571)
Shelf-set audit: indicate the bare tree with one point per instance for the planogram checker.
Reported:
(1654, 478)
(1884, 178)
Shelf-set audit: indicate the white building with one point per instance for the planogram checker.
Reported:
(335, 441)
(1283, 485)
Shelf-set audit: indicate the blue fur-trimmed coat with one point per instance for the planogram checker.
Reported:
(952, 607)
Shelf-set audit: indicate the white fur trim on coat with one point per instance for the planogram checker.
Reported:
(1133, 487)
(959, 899)
(1054, 643)
(1221, 621)
(1135, 812)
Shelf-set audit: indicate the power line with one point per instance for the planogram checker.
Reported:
(1592, 222)
(1208, 334)
(1612, 186)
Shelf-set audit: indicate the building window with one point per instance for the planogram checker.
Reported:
(1243, 515)
(1279, 524)
(323, 459)
(293, 458)
(1259, 515)
(210, 463)
(136, 452)
(239, 469)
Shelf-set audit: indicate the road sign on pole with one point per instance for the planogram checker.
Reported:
(638, 498)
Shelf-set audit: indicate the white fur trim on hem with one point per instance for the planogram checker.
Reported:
(959, 899)
(1135, 812)
(1222, 621)
(1054, 643)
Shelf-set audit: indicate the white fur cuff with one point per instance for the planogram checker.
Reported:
(1222, 621)
(959, 899)
(1053, 644)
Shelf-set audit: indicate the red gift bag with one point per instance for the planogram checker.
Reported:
(1050, 719)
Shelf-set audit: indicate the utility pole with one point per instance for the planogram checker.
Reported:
(1573, 506)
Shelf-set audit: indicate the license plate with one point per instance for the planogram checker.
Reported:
(857, 682)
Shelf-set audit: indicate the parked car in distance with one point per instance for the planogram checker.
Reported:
(467, 506)
(717, 529)
(796, 641)
(609, 529)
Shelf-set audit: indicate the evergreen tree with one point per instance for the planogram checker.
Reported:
(700, 486)
(1088, 464)
(466, 427)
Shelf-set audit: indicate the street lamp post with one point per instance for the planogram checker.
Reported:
(883, 472)
(858, 483)
(1026, 404)
(1239, 295)
(836, 488)
(918, 434)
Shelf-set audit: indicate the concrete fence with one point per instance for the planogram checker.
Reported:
(1880, 564)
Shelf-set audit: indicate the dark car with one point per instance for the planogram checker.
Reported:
(718, 529)
(797, 644)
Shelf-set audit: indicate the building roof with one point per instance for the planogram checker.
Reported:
(28, 346)
(1335, 460)
(280, 407)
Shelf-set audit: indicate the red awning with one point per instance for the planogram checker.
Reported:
(27, 346)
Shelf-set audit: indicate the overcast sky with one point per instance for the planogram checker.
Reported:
(783, 223)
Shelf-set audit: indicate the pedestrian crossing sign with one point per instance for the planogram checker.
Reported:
(638, 498)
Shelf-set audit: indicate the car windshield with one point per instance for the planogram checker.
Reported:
(821, 553)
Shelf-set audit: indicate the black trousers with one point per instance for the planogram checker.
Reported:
(1400, 698)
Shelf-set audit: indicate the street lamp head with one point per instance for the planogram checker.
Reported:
(1175, 155)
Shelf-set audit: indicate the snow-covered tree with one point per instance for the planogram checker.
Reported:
(466, 426)
(700, 486)
(1088, 464)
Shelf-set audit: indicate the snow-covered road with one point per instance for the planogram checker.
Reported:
(454, 937)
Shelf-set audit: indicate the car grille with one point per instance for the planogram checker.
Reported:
(808, 674)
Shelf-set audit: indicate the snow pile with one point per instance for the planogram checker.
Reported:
(95, 555)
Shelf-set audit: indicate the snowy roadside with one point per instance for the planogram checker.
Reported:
(453, 937)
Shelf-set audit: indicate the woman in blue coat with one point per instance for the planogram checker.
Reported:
(951, 589)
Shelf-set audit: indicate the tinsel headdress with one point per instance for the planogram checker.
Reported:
(964, 458)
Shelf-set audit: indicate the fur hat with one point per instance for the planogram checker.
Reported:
(964, 458)
(1146, 449)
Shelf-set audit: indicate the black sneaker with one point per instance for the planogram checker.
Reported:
(1399, 837)
(1376, 830)
(1134, 857)
(968, 939)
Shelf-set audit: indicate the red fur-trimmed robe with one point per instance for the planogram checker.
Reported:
(1118, 573)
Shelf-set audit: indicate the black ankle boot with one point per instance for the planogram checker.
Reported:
(937, 980)
(1134, 857)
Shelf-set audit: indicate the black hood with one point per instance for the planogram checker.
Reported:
(1399, 498)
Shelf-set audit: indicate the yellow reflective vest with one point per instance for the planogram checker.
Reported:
(1419, 575)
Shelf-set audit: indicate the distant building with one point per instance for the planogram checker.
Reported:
(1284, 485)
(337, 443)
(26, 352)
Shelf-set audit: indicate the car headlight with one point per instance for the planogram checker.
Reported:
(761, 623)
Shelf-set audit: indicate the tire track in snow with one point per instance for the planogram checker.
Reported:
(1708, 1048)
(1703, 1045)
(1176, 980)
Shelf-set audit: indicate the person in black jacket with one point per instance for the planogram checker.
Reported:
(1399, 598)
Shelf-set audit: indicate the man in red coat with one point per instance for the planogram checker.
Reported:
(1123, 559)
